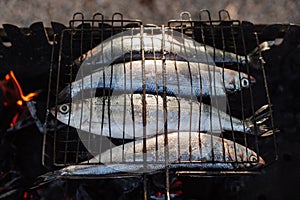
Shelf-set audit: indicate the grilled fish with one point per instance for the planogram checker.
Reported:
(185, 150)
(182, 147)
(136, 115)
(158, 40)
(180, 78)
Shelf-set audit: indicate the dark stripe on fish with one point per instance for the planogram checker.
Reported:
(137, 55)
(149, 89)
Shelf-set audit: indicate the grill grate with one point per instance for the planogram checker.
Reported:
(109, 63)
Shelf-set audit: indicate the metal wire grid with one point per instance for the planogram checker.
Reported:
(66, 148)
(62, 146)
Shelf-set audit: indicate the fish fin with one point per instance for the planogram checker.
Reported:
(64, 95)
(46, 178)
(268, 133)
(256, 122)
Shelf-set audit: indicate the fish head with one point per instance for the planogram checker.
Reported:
(247, 158)
(73, 114)
(235, 81)
(85, 115)
(62, 112)
(256, 161)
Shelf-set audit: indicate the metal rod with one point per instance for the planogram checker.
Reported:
(145, 182)
(242, 99)
(248, 72)
(166, 141)
(48, 102)
(262, 65)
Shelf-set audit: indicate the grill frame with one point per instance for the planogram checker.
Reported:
(73, 30)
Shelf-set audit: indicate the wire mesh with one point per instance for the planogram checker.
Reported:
(140, 98)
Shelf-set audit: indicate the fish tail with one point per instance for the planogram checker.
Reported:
(256, 123)
(254, 58)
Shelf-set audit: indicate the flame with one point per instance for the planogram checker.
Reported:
(13, 98)
(28, 97)
(13, 93)
(15, 119)
(20, 102)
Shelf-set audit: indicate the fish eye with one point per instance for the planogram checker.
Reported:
(65, 108)
(245, 82)
(253, 159)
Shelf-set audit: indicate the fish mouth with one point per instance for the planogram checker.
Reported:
(255, 164)
(252, 79)
(260, 163)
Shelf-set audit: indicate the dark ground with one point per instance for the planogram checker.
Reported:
(20, 153)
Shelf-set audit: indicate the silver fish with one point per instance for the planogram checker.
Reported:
(191, 150)
(88, 169)
(180, 78)
(158, 40)
(134, 115)
(182, 148)
(99, 169)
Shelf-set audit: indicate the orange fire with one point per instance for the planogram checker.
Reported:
(12, 91)
(24, 98)
(13, 95)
